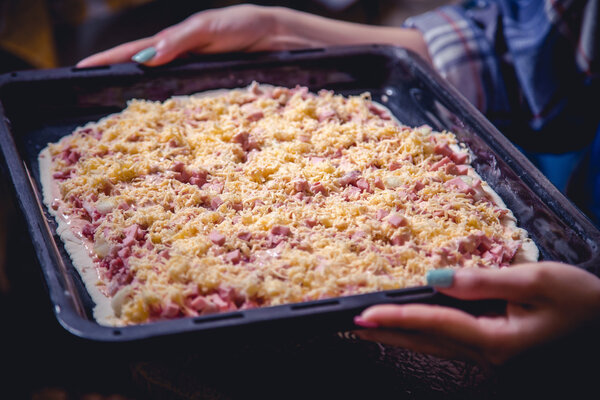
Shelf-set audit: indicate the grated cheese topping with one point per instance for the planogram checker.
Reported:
(267, 195)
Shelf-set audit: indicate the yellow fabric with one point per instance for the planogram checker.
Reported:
(27, 27)
(26, 31)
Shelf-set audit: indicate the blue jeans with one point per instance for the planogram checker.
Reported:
(576, 174)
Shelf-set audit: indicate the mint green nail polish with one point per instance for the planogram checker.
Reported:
(145, 55)
(440, 277)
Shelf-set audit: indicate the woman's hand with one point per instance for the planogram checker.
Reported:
(545, 301)
(253, 28)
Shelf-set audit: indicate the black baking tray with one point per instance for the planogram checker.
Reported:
(38, 107)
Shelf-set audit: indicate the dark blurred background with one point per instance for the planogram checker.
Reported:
(40, 359)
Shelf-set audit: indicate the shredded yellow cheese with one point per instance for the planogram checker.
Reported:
(263, 196)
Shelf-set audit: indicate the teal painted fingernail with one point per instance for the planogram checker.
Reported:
(440, 277)
(145, 55)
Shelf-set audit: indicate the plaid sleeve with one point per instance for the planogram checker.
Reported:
(528, 65)
(462, 52)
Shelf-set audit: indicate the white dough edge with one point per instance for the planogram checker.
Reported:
(80, 255)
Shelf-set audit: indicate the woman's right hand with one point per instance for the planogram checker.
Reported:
(253, 28)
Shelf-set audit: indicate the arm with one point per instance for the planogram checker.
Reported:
(255, 28)
(545, 301)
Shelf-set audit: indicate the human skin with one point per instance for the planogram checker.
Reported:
(545, 301)
(256, 28)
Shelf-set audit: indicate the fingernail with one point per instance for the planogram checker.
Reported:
(440, 277)
(360, 321)
(145, 55)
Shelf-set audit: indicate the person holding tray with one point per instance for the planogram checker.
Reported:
(503, 56)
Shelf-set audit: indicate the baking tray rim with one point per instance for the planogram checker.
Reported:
(89, 329)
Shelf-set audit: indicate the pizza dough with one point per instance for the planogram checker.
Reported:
(265, 195)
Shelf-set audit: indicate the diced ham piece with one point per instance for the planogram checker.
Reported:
(246, 236)
(88, 231)
(215, 202)
(184, 175)
(107, 187)
(325, 113)
(459, 157)
(378, 183)
(379, 111)
(350, 178)
(300, 196)
(252, 112)
(396, 220)
(85, 131)
(316, 160)
(216, 186)
(485, 243)
(460, 185)
(440, 163)
(351, 192)
(278, 92)
(66, 174)
(70, 156)
(318, 187)
(178, 166)
(381, 214)
(199, 303)
(301, 185)
(363, 184)
(234, 256)
(359, 235)
(281, 230)
(479, 192)
(469, 244)
(124, 252)
(310, 223)
(133, 234)
(395, 165)
(198, 178)
(302, 90)
(220, 302)
(443, 149)
(254, 88)
(398, 239)
(217, 238)
(171, 310)
(246, 140)
(165, 254)
(418, 186)
(500, 253)
(462, 169)
(451, 169)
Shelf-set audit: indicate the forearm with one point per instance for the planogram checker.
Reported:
(296, 29)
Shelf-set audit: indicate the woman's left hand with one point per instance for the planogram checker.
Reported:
(545, 301)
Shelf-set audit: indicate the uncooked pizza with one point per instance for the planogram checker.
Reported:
(260, 196)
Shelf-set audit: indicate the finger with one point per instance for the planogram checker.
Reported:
(455, 324)
(121, 53)
(422, 343)
(520, 283)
